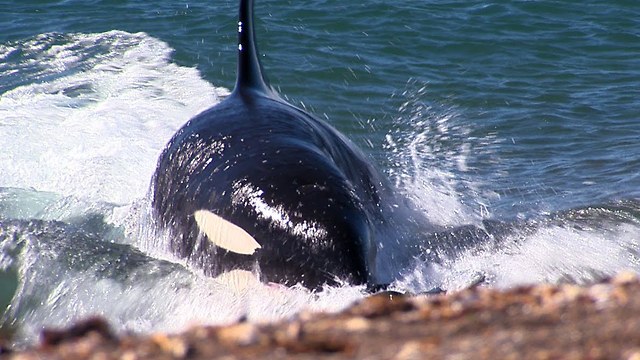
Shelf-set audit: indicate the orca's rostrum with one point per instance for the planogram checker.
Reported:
(256, 184)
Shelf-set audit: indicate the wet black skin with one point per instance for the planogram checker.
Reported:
(299, 165)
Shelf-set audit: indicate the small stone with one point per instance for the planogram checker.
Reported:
(633, 354)
(240, 334)
(625, 278)
(174, 346)
(571, 293)
(600, 293)
(293, 330)
(100, 356)
(356, 324)
(97, 325)
(128, 355)
(409, 351)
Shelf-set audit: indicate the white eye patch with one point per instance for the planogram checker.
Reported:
(224, 234)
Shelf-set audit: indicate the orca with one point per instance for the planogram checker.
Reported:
(255, 184)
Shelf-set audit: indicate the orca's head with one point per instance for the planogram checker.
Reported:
(303, 225)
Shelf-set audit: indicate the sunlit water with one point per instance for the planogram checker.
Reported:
(469, 125)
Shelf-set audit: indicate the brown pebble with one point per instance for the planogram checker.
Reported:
(633, 354)
(52, 337)
(172, 345)
(240, 334)
(625, 278)
(409, 351)
(356, 324)
(129, 355)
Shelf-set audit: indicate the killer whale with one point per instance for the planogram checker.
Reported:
(257, 184)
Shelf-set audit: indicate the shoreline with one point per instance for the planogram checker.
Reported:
(599, 321)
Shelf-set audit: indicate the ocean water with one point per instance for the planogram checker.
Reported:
(520, 116)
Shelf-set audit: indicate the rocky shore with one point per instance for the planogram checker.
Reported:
(600, 321)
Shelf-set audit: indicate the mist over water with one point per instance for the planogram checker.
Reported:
(499, 129)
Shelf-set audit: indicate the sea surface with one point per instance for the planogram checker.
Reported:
(521, 113)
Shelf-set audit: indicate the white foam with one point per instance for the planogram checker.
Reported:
(168, 303)
(551, 254)
(95, 131)
(555, 254)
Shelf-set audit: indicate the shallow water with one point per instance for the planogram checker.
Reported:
(522, 113)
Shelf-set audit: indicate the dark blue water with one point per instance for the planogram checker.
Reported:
(507, 110)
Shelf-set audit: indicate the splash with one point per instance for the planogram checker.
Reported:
(432, 165)
(91, 112)
(579, 246)
(429, 151)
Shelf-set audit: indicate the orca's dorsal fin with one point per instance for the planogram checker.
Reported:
(249, 75)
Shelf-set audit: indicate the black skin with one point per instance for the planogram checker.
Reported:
(301, 166)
